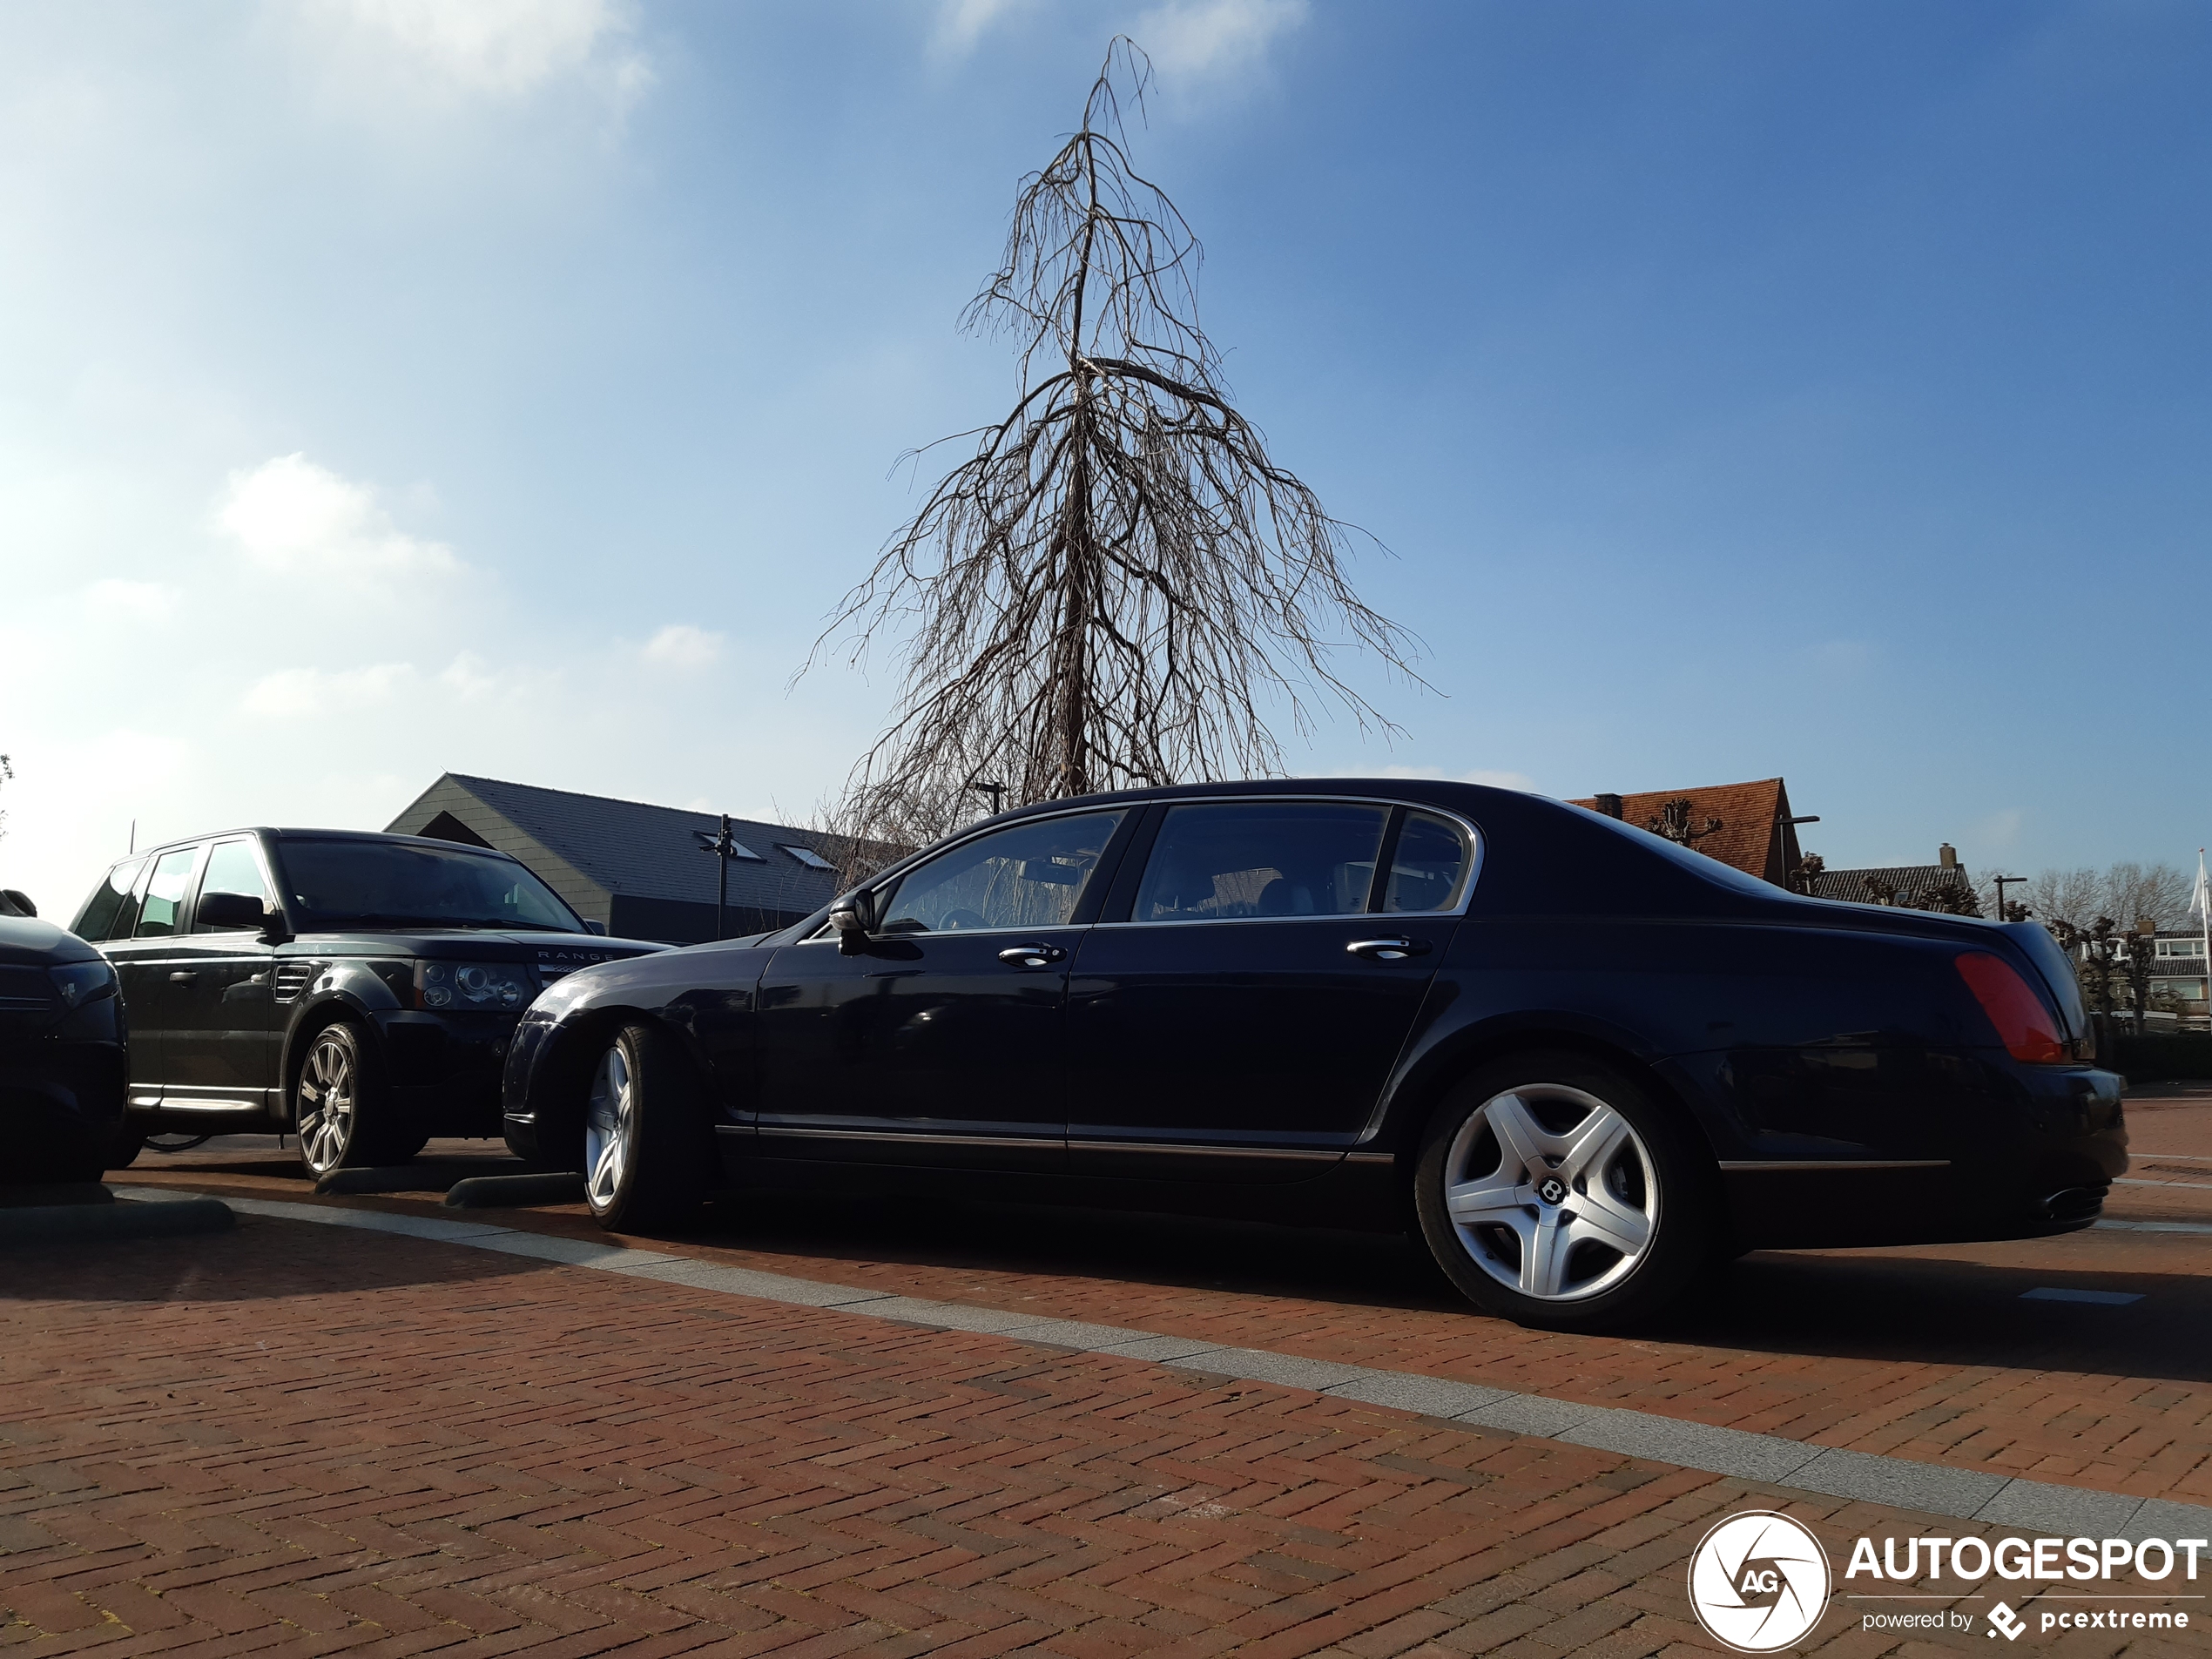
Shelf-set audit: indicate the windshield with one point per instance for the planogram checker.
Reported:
(359, 884)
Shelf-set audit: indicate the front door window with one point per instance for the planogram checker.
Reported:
(1027, 875)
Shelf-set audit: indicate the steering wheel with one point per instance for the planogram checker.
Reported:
(954, 920)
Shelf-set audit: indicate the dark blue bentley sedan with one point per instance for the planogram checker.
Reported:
(1585, 1063)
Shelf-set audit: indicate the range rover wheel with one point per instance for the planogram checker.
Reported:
(1555, 1191)
(649, 1153)
(336, 1101)
(129, 1140)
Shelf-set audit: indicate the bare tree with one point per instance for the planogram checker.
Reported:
(7, 775)
(1117, 585)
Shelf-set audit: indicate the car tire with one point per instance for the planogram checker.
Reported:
(340, 1109)
(649, 1151)
(1557, 1192)
(128, 1141)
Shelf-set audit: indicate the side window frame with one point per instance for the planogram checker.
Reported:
(252, 843)
(124, 903)
(1112, 858)
(1121, 902)
(183, 926)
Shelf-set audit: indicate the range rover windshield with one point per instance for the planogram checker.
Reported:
(382, 884)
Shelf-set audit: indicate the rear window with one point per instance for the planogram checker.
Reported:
(98, 919)
(389, 884)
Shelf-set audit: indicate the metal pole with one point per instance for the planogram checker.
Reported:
(721, 878)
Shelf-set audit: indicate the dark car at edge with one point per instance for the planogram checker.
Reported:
(1584, 1064)
(356, 990)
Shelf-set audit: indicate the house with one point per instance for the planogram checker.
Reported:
(638, 869)
(1748, 826)
(1944, 885)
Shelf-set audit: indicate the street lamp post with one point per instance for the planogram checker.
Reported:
(2001, 882)
(722, 844)
(996, 791)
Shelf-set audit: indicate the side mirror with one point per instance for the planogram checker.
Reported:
(848, 918)
(598, 928)
(15, 902)
(220, 912)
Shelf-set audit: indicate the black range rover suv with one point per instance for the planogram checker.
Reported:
(357, 990)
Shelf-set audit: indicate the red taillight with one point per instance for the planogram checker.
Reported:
(2023, 1023)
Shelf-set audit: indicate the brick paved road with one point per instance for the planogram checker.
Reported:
(295, 1439)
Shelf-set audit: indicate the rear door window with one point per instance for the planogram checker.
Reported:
(1429, 867)
(1236, 860)
(165, 895)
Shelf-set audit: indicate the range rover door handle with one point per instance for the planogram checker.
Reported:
(181, 977)
(1032, 955)
(1388, 950)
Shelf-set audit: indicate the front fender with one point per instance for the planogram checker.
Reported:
(338, 990)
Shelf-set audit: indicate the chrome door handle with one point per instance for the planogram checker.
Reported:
(1388, 950)
(181, 977)
(1032, 955)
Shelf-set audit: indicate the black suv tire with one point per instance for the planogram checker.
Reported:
(650, 1155)
(341, 1110)
(1556, 1191)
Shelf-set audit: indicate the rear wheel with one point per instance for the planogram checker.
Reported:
(649, 1152)
(129, 1140)
(1556, 1191)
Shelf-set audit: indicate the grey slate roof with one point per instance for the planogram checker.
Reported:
(627, 846)
(1915, 883)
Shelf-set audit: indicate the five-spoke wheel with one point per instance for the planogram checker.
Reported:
(1557, 1192)
(649, 1152)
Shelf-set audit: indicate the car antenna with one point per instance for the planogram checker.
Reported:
(134, 840)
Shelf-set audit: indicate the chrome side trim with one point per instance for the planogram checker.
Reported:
(791, 1131)
(1371, 1157)
(171, 1104)
(1300, 1154)
(1776, 1165)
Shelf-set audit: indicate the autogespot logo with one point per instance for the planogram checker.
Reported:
(1758, 1581)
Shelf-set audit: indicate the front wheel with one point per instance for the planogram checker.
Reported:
(341, 1110)
(1555, 1191)
(649, 1148)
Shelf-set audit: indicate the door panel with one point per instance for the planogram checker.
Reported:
(219, 1042)
(143, 961)
(1229, 1030)
(941, 1041)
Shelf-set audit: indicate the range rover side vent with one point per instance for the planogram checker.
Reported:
(291, 978)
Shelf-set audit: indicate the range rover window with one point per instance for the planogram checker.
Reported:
(1428, 868)
(1226, 861)
(1026, 875)
(338, 883)
(165, 895)
(233, 867)
(98, 918)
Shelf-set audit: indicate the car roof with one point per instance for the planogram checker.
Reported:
(378, 836)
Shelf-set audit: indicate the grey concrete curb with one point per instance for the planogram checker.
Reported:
(1966, 1494)
(492, 1192)
(82, 1223)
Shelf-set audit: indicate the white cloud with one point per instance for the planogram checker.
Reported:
(682, 646)
(502, 48)
(1213, 38)
(960, 23)
(290, 515)
(112, 600)
(303, 693)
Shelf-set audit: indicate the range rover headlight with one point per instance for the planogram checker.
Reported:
(473, 985)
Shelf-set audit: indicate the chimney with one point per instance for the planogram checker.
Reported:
(1609, 805)
(1947, 856)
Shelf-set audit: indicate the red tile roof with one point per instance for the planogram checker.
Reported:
(1751, 835)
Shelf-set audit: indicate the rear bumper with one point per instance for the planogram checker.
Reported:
(2032, 1156)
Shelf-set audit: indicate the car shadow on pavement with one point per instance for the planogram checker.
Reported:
(264, 1259)
(1924, 1308)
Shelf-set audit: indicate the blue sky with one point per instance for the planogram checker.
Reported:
(396, 386)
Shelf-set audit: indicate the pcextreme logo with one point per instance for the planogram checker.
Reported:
(1758, 1581)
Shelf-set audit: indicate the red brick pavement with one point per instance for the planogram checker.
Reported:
(295, 1440)
(1926, 1353)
